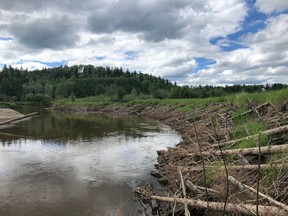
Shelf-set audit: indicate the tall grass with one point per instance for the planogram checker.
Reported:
(237, 99)
(260, 97)
(185, 105)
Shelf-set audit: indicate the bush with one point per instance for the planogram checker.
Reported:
(72, 96)
(129, 97)
(3, 97)
(160, 94)
(12, 99)
(41, 99)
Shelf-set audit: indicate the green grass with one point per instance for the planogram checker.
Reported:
(13, 105)
(209, 178)
(251, 143)
(7, 105)
(247, 129)
(245, 144)
(279, 157)
(239, 118)
(245, 126)
(185, 105)
(237, 99)
(272, 174)
(260, 97)
(283, 121)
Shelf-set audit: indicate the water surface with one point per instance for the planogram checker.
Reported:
(77, 164)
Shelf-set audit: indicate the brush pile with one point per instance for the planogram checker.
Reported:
(232, 161)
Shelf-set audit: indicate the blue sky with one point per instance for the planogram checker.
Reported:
(6, 38)
(195, 42)
(253, 22)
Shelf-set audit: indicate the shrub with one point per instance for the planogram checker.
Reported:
(41, 99)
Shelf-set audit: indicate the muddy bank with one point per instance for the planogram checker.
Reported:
(198, 169)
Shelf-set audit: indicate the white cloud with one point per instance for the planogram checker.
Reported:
(226, 73)
(269, 6)
(165, 48)
(266, 59)
(161, 37)
(272, 38)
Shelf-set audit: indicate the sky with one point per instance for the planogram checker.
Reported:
(192, 42)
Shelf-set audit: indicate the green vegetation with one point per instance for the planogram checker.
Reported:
(283, 157)
(188, 106)
(272, 175)
(210, 173)
(115, 85)
(247, 129)
(251, 143)
(245, 125)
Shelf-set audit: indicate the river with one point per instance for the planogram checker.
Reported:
(77, 164)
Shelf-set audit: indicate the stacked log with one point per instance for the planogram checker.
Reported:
(207, 150)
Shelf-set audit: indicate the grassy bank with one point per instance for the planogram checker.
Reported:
(274, 97)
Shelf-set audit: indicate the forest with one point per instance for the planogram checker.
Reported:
(78, 81)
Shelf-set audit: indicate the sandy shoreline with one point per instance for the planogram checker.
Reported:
(7, 114)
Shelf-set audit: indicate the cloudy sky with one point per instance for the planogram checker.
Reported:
(214, 42)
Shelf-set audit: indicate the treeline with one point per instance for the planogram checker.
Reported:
(80, 81)
(217, 91)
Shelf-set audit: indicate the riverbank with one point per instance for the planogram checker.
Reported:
(7, 114)
(207, 128)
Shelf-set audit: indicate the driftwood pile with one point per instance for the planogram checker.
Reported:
(208, 174)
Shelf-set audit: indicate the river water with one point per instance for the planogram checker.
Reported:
(77, 164)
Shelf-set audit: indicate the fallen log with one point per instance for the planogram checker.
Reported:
(235, 167)
(187, 213)
(243, 159)
(230, 207)
(253, 107)
(264, 150)
(18, 118)
(229, 106)
(154, 206)
(216, 108)
(267, 132)
(242, 187)
(251, 110)
(200, 190)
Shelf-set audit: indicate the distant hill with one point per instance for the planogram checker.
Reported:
(118, 85)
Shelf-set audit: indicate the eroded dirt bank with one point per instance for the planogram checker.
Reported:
(202, 167)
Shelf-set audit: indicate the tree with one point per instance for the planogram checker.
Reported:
(120, 93)
(11, 87)
(64, 89)
(160, 94)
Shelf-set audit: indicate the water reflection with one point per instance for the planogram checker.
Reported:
(77, 164)
(64, 127)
